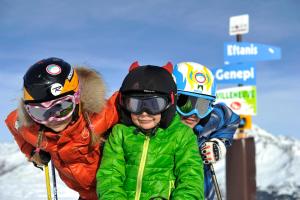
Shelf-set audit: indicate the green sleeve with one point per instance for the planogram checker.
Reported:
(188, 167)
(111, 174)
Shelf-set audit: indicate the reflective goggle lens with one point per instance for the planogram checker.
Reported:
(202, 106)
(55, 109)
(193, 105)
(151, 105)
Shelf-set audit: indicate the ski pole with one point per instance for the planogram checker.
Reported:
(216, 185)
(54, 181)
(48, 182)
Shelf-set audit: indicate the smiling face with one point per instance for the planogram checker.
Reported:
(145, 120)
(190, 121)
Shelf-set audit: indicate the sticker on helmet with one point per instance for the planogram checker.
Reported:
(70, 74)
(200, 77)
(56, 89)
(53, 69)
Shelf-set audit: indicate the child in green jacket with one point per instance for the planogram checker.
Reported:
(147, 156)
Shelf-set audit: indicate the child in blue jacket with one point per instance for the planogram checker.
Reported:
(214, 124)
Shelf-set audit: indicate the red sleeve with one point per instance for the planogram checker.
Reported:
(24, 146)
(107, 117)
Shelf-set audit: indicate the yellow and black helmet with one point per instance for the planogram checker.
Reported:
(49, 79)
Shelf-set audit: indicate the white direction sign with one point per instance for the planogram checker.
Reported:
(239, 24)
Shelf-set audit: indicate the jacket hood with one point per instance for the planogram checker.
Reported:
(92, 95)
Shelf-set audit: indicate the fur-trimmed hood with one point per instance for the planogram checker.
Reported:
(92, 94)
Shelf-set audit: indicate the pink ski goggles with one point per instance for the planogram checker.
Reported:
(54, 110)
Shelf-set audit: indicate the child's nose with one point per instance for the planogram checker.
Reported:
(144, 113)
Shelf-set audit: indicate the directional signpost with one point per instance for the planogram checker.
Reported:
(240, 158)
(235, 52)
(244, 73)
(242, 100)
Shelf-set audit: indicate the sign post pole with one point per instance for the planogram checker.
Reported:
(240, 157)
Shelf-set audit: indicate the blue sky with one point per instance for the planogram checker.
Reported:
(110, 35)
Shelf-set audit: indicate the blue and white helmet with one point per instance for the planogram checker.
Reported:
(193, 79)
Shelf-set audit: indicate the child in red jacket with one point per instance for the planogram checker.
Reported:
(63, 115)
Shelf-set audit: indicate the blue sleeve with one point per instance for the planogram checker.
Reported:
(222, 124)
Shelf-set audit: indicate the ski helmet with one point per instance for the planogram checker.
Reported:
(195, 80)
(49, 79)
(150, 80)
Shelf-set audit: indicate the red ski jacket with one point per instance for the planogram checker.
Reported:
(74, 158)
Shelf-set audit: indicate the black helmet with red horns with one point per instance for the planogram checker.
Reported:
(150, 80)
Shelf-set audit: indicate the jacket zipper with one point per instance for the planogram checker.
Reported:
(171, 186)
(141, 168)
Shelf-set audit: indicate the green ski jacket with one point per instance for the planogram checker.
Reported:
(166, 165)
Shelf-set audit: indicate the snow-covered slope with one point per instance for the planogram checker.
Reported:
(277, 173)
(19, 179)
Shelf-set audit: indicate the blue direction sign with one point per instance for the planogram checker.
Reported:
(236, 74)
(245, 51)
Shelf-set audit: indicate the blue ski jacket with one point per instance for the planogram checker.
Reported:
(221, 123)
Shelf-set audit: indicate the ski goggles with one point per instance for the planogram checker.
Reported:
(54, 110)
(152, 105)
(199, 105)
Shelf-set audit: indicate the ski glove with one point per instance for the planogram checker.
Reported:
(212, 151)
(40, 158)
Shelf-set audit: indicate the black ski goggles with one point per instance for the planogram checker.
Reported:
(152, 104)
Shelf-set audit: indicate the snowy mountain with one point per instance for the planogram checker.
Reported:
(277, 172)
(277, 166)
